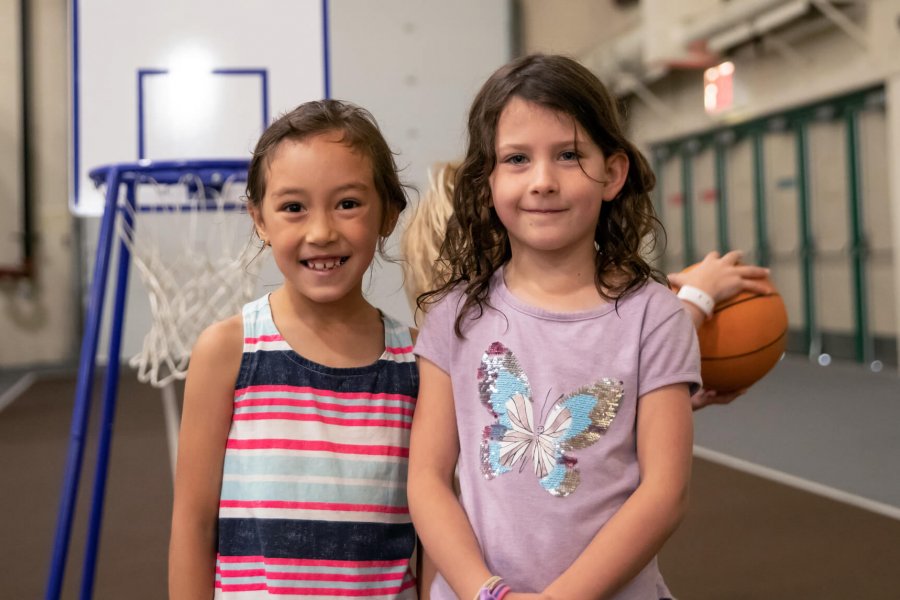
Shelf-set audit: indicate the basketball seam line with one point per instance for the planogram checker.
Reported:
(742, 300)
(773, 342)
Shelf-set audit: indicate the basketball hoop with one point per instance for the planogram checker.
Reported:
(206, 276)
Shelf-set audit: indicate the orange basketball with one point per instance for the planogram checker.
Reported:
(743, 340)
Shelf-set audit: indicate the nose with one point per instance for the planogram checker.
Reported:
(320, 228)
(544, 179)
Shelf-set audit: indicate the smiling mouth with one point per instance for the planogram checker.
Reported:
(324, 264)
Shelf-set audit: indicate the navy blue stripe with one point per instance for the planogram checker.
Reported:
(288, 368)
(321, 540)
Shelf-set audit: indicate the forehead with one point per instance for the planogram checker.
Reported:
(320, 154)
(520, 118)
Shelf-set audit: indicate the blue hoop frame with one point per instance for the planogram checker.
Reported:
(213, 174)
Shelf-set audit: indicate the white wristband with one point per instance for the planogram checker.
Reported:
(698, 298)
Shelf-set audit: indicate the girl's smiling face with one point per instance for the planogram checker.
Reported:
(549, 181)
(322, 216)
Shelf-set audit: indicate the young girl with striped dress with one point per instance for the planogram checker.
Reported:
(292, 462)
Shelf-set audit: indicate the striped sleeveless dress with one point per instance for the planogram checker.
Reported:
(313, 501)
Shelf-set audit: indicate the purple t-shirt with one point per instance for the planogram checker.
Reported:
(546, 412)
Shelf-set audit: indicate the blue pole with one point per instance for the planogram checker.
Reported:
(83, 390)
(110, 393)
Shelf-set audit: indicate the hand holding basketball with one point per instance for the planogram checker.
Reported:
(723, 277)
(747, 332)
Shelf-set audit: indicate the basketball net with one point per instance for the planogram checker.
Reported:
(206, 276)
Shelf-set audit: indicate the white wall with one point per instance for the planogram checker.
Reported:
(416, 66)
(38, 320)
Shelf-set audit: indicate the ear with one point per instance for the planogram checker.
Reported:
(258, 223)
(616, 175)
(390, 221)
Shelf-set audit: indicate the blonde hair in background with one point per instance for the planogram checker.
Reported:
(424, 234)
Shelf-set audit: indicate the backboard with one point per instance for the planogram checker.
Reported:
(171, 79)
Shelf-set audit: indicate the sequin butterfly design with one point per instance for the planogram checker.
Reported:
(574, 421)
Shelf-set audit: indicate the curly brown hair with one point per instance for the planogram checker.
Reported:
(360, 132)
(477, 243)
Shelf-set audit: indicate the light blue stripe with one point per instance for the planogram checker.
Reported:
(324, 396)
(314, 569)
(346, 585)
(312, 492)
(254, 464)
(311, 410)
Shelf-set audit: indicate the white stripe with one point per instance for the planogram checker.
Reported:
(799, 483)
(17, 389)
(313, 515)
(279, 345)
(315, 431)
(317, 454)
(379, 483)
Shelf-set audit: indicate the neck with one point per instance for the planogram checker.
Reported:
(562, 285)
(352, 308)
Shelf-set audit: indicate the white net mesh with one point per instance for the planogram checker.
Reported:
(197, 267)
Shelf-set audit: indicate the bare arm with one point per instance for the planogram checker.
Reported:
(630, 539)
(439, 519)
(720, 277)
(206, 420)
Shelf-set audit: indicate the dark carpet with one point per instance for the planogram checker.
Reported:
(744, 537)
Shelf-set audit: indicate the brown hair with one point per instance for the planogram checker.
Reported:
(360, 132)
(477, 244)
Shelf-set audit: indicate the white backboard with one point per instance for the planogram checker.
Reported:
(176, 79)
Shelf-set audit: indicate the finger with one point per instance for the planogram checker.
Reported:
(756, 286)
(752, 271)
(734, 257)
(711, 255)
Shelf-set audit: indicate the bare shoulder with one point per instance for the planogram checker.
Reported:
(216, 357)
(221, 340)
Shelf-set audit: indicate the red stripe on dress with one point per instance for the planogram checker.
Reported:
(362, 577)
(291, 389)
(314, 445)
(263, 338)
(289, 416)
(394, 410)
(315, 562)
(396, 350)
(332, 506)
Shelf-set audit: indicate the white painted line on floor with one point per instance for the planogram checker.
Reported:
(16, 390)
(806, 485)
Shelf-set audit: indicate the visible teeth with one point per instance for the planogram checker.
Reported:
(324, 265)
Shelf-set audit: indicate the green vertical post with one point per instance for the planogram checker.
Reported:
(659, 196)
(687, 206)
(857, 241)
(759, 200)
(807, 249)
(722, 196)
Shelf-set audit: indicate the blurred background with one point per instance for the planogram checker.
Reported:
(773, 126)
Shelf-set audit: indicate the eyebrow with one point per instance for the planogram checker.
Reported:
(508, 146)
(357, 186)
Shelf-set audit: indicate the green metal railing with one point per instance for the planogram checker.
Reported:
(796, 122)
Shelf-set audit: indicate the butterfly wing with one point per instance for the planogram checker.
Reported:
(504, 390)
(575, 421)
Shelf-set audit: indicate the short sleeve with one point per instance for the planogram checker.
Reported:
(435, 341)
(669, 351)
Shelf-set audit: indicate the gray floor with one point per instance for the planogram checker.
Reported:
(838, 426)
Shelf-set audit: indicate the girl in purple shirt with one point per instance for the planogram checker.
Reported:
(556, 369)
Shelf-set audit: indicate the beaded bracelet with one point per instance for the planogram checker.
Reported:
(493, 589)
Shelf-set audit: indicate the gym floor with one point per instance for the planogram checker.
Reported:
(796, 491)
